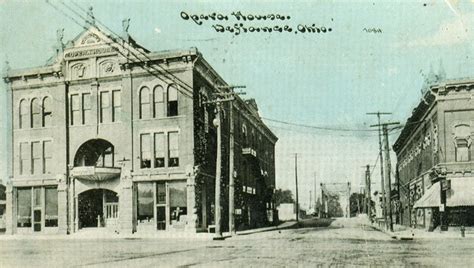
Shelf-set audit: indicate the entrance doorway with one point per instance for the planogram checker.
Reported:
(97, 208)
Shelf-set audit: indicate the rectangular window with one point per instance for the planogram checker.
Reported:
(24, 157)
(37, 198)
(159, 150)
(47, 157)
(462, 150)
(75, 109)
(145, 202)
(116, 105)
(145, 151)
(173, 152)
(178, 204)
(35, 157)
(172, 101)
(24, 207)
(86, 108)
(160, 193)
(105, 113)
(51, 207)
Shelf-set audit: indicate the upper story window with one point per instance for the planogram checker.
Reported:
(23, 157)
(46, 112)
(116, 105)
(35, 157)
(105, 107)
(35, 110)
(47, 157)
(86, 108)
(23, 112)
(75, 109)
(163, 149)
(172, 100)
(244, 136)
(158, 102)
(145, 103)
(173, 151)
(160, 150)
(462, 142)
(145, 151)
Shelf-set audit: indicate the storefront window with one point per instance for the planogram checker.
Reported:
(145, 202)
(24, 207)
(51, 207)
(177, 192)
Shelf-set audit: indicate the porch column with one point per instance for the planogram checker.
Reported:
(62, 204)
(192, 217)
(10, 213)
(126, 205)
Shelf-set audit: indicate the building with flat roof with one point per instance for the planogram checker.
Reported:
(435, 168)
(110, 135)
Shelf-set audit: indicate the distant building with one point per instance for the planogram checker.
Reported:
(434, 148)
(286, 212)
(109, 134)
(2, 206)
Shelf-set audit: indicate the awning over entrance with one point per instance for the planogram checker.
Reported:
(460, 194)
(96, 173)
(431, 198)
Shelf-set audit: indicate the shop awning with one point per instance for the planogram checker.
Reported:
(460, 194)
(431, 198)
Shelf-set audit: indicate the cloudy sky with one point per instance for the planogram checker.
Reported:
(328, 79)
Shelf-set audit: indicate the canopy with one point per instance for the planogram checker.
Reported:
(431, 198)
(460, 194)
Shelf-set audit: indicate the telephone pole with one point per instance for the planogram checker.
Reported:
(315, 196)
(217, 202)
(384, 204)
(231, 156)
(368, 192)
(220, 98)
(387, 174)
(296, 183)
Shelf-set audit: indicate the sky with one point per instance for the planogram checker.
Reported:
(327, 79)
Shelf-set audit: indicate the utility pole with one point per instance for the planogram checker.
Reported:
(387, 174)
(221, 97)
(231, 157)
(296, 183)
(349, 199)
(217, 202)
(384, 204)
(368, 192)
(315, 195)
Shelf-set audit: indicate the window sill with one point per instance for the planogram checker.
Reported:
(159, 118)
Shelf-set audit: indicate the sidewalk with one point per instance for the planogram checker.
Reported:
(103, 233)
(406, 233)
(282, 226)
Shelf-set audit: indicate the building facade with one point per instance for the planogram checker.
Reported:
(110, 135)
(435, 169)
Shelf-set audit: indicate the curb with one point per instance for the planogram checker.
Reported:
(392, 235)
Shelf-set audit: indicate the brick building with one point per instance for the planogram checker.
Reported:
(435, 148)
(108, 134)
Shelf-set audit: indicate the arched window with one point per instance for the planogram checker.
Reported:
(46, 112)
(35, 113)
(172, 100)
(23, 112)
(158, 102)
(145, 103)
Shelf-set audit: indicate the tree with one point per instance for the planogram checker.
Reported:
(283, 196)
